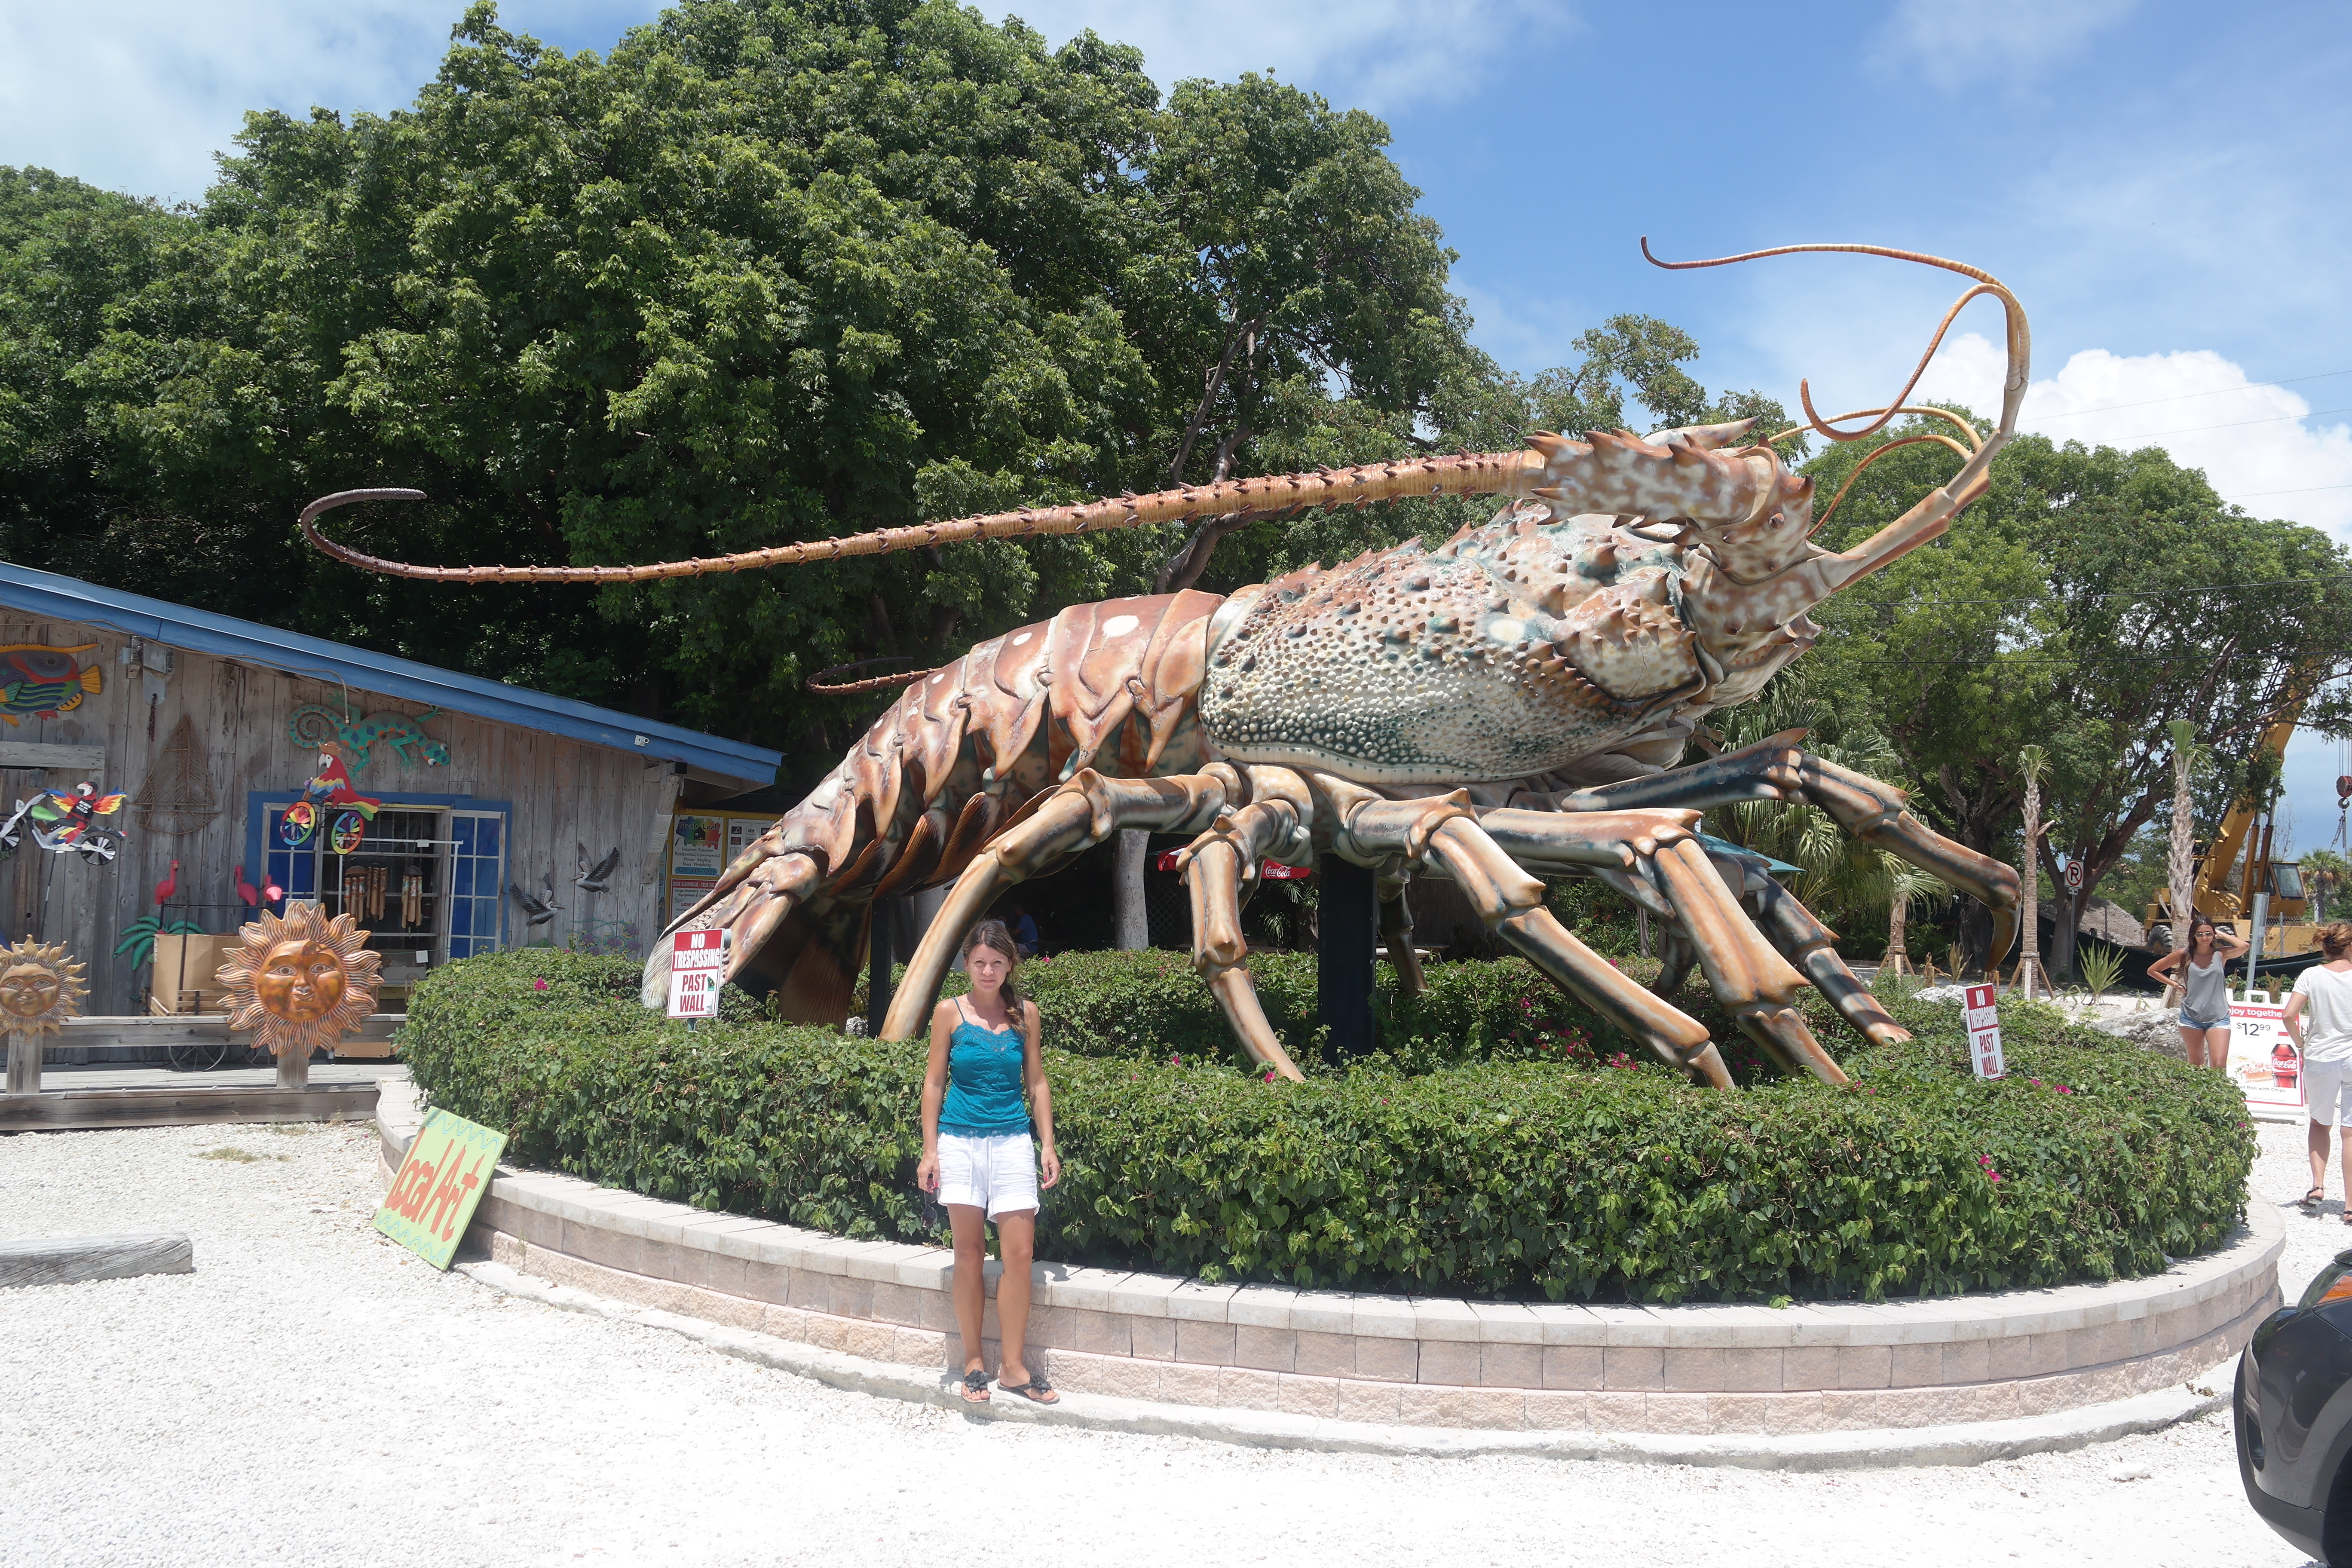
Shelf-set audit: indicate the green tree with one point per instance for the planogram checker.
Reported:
(1851, 885)
(2326, 874)
(767, 270)
(2091, 597)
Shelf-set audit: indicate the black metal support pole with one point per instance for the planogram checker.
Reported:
(884, 921)
(1347, 921)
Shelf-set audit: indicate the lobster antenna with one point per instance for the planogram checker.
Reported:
(1464, 474)
(2021, 341)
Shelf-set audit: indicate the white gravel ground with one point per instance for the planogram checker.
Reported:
(313, 1395)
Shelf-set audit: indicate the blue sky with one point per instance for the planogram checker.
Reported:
(2162, 183)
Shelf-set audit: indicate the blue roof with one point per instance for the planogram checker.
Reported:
(45, 595)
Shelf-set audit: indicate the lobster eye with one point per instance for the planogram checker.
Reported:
(1778, 520)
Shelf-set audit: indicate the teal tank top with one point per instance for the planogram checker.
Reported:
(984, 1097)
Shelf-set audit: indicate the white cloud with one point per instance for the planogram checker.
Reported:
(1376, 54)
(1955, 45)
(138, 95)
(2262, 446)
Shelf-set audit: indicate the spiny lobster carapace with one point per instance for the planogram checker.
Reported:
(1511, 703)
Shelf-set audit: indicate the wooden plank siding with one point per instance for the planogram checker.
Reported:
(562, 793)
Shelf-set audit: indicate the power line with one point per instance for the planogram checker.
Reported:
(2235, 423)
(2181, 396)
(2138, 593)
(2302, 490)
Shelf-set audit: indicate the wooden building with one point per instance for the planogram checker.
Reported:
(493, 796)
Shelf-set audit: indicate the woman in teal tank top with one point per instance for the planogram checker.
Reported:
(984, 1091)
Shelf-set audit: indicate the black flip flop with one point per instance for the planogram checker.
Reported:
(975, 1388)
(2313, 1198)
(1036, 1390)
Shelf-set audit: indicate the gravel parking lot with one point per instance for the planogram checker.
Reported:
(313, 1395)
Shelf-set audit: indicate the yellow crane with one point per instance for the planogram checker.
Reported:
(2238, 864)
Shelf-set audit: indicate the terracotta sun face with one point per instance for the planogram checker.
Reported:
(300, 982)
(41, 987)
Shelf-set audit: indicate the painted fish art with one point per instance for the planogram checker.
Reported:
(45, 682)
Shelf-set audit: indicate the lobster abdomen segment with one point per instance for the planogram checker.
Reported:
(1108, 686)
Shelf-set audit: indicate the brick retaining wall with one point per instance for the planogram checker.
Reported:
(1394, 1360)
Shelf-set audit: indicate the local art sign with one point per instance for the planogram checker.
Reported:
(697, 967)
(1984, 1033)
(440, 1182)
(2262, 1060)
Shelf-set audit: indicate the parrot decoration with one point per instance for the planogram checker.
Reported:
(66, 820)
(330, 788)
(45, 681)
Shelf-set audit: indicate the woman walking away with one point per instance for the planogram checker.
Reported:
(2197, 969)
(978, 1155)
(2323, 995)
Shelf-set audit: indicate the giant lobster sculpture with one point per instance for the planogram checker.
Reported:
(1510, 703)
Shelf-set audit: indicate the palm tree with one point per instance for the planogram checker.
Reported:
(1850, 884)
(2326, 874)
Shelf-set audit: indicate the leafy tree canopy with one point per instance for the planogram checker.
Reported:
(2093, 596)
(769, 270)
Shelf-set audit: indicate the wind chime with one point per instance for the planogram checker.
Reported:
(364, 890)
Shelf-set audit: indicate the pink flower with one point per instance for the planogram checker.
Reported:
(2034, 1081)
(2063, 1089)
(1996, 1175)
(539, 986)
(1269, 1075)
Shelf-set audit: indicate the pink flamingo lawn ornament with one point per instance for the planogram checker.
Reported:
(168, 886)
(244, 890)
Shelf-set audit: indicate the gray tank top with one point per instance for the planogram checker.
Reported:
(2205, 991)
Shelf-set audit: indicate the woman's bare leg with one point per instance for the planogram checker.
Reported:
(2315, 1141)
(1016, 1239)
(2193, 1042)
(969, 1226)
(2217, 1048)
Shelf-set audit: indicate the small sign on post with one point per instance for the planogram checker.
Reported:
(442, 1180)
(697, 967)
(1984, 1033)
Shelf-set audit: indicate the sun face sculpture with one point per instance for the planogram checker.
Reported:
(301, 982)
(41, 987)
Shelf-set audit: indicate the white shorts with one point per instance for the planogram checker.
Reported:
(998, 1174)
(2324, 1092)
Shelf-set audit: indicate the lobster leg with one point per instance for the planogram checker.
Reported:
(1776, 769)
(1218, 867)
(1447, 832)
(1808, 944)
(1068, 820)
(1396, 934)
(1651, 858)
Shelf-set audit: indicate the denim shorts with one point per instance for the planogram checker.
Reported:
(2190, 1020)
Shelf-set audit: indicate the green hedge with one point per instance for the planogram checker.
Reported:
(1511, 1178)
(1150, 1004)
